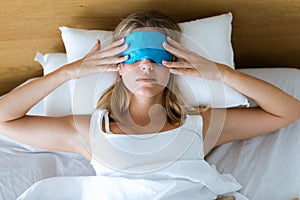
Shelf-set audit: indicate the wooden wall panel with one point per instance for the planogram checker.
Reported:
(266, 33)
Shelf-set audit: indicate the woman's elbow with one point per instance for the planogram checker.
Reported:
(295, 113)
(296, 117)
(2, 127)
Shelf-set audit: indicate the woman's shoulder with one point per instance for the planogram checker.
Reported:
(205, 115)
(100, 111)
(80, 123)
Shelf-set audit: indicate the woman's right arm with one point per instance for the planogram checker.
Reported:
(18, 102)
(55, 133)
(51, 132)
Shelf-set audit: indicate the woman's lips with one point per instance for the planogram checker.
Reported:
(146, 79)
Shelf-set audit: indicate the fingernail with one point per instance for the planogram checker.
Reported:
(120, 40)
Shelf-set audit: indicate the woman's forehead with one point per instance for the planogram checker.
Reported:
(152, 29)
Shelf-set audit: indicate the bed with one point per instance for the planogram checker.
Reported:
(262, 39)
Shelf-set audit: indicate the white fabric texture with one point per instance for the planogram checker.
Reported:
(210, 37)
(21, 166)
(152, 175)
(266, 166)
(58, 102)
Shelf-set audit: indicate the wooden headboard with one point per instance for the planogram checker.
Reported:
(266, 33)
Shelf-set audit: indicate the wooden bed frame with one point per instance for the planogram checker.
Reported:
(266, 33)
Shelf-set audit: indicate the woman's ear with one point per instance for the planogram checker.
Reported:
(119, 69)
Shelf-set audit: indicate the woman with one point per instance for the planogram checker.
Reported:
(145, 99)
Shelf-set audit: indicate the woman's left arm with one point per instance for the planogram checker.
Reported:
(275, 107)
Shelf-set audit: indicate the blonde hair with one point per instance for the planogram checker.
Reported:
(148, 19)
(116, 99)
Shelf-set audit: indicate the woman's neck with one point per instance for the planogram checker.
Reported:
(143, 110)
(146, 114)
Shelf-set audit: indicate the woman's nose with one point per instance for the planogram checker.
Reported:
(146, 65)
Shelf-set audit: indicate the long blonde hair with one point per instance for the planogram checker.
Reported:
(116, 99)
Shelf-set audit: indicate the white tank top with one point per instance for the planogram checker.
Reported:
(171, 155)
(184, 142)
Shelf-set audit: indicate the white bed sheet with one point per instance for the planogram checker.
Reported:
(267, 167)
(21, 166)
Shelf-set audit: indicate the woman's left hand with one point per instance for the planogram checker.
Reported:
(191, 63)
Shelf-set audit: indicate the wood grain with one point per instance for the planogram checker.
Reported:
(266, 33)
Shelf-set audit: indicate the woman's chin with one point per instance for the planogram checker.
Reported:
(148, 91)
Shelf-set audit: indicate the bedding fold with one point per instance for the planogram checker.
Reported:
(184, 179)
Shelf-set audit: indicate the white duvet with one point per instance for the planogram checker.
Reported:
(184, 179)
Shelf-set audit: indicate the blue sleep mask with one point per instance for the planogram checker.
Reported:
(146, 45)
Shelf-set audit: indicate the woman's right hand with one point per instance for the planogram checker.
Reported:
(97, 60)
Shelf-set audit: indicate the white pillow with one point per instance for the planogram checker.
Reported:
(58, 102)
(209, 37)
(85, 92)
(65, 100)
(79, 42)
(37, 109)
(287, 79)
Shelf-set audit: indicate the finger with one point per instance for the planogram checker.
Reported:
(177, 44)
(96, 47)
(112, 51)
(93, 66)
(185, 72)
(175, 51)
(111, 60)
(177, 64)
(106, 68)
(103, 62)
(109, 68)
(114, 44)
